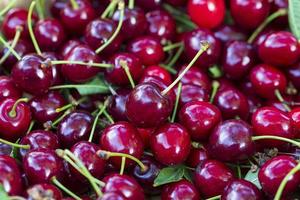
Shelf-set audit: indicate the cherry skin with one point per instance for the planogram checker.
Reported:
(170, 144)
(68, 46)
(227, 33)
(44, 190)
(270, 50)
(176, 2)
(117, 74)
(124, 185)
(196, 76)
(231, 141)
(274, 170)
(75, 127)
(199, 118)
(5, 149)
(10, 176)
(122, 137)
(149, 4)
(182, 189)
(111, 196)
(206, 13)
(196, 156)
(192, 42)
(146, 107)
(8, 89)
(242, 190)
(116, 106)
(148, 49)
(80, 73)
(250, 13)
(293, 75)
(212, 172)
(294, 114)
(191, 92)
(159, 72)
(41, 165)
(56, 7)
(266, 79)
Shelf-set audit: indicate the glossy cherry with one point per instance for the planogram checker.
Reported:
(158, 71)
(8, 89)
(112, 196)
(294, 114)
(44, 191)
(227, 33)
(182, 189)
(197, 156)
(196, 76)
(149, 4)
(68, 46)
(116, 106)
(191, 92)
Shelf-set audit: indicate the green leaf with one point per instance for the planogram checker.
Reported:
(252, 176)
(188, 175)
(294, 17)
(169, 175)
(3, 194)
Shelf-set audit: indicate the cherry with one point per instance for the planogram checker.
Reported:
(191, 92)
(10, 175)
(196, 156)
(170, 144)
(238, 59)
(32, 75)
(5, 149)
(295, 120)
(149, 4)
(134, 22)
(76, 19)
(80, 73)
(199, 118)
(41, 165)
(160, 72)
(145, 134)
(112, 196)
(196, 76)
(192, 42)
(206, 13)
(99, 31)
(49, 34)
(117, 74)
(8, 89)
(182, 189)
(274, 170)
(161, 25)
(122, 137)
(44, 107)
(278, 104)
(39, 139)
(267, 79)
(270, 50)
(241, 189)
(56, 70)
(250, 13)
(148, 49)
(123, 185)
(74, 127)
(147, 107)
(44, 191)
(68, 46)
(56, 7)
(227, 33)
(277, 5)
(293, 74)
(116, 106)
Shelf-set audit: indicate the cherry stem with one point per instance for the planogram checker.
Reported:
(111, 7)
(70, 105)
(30, 127)
(101, 110)
(71, 62)
(273, 137)
(179, 89)
(121, 7)
(127, 71)
(175, 58)
(281, 99)
(2, 40)
(60, 118)
(172, 46)
(40, 5)
(29, 24)
(278, 13)
(197, 145)
(76, 86)
(131, 4)
(122, 165)
(7, 7)
(215, 71)
(215, 88)
(20, 146)
(74, 4)
(110, 119)
(214, 198)
(107, 154)
(63, 188)
(239, 172)
(13, 113)
(284, 182)
(203, 48)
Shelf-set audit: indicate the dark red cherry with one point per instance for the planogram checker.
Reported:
(182, 189)
(56, 7)
(76, 19)
(238, 58)
(44, 191)
(266, 80)
(74, 127)
(57, 78)
(122, 137)
(249, 13)
(44, 107)
(99, 31)
(274, 170)
(134, 23)
(193, 42)
(231, 141)
(161, 25)
(5, 149)
(116, 106)
(158, 71)
(149, 4)
(242, 190)
(112, 196)
(41, 165)
(10, 175)
(170, 144)
(191, 92)
(145, 134)
(196, 156)
(117, 75)
(147, 107)
(212, 172)
(14, 124)
(80, 73)
(278, 104)
(206, 13)
(148, 49)
(8, 89)
(294, 114)
(68, 46)
(39, 139)
(196, 76)
(227, 33)
(199, 118)
(293, 74)
(271, 50)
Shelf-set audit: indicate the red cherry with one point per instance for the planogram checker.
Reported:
(116, 106)
(295, 120)
(227, 33)
(196, 156)
(182, 189)
(159, 72)
(8, 89)
(196, 76)
(191, 92)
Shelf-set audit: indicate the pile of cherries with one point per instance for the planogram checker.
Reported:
(149, 99)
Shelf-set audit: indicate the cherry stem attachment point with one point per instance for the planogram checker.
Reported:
(179, 89)
(20, 146)
(281, 99)
(6, 44)
(74, 4)
(63, 188)
(13, 113)
(29, 24)
(124, 65)
(273, 137)
(215, 87)
(101, 110)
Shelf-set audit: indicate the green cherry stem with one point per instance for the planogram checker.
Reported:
(7, 7)
(76, 86)
(74, 4)
(215, 87)
(63, 188)
(175, 58)
(284, 182)
(172, 46)
(176, 102)
(40, 5)
(280, 98)
(2, 40)
(20, 146)
(123, 162)
(214, 198)
(71, 105)
(53, 124)
(111, 7)
(131, 4)
(110, 119)
(273, 137)
(30, 126)
(127, 71)
(239, 172)
(215, 71)
(279, 13)
(203, 48)
(72, 62)
(101, 110)
(121, 7)
(29, 24)
(13, 113)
